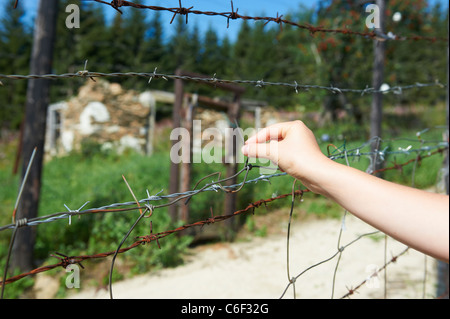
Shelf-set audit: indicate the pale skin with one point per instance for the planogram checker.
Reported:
(417, 218)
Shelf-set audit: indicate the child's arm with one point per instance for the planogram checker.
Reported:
(417, 218)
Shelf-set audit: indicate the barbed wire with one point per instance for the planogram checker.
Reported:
(355, 153)
(397, 89)
(375, 273)
(234, 15)
(340, 249)
(146, 239)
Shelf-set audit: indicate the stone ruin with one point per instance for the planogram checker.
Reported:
(118, 119)
(105, 113)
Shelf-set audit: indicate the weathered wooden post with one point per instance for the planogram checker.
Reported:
(38, 95)
(175, 167)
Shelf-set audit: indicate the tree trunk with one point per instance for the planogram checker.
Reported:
(38, 93)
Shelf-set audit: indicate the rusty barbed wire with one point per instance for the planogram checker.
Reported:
(66, 260)
(375, 273)
(234, 15)
(147, 239)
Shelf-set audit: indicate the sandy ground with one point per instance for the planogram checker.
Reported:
(256, 268)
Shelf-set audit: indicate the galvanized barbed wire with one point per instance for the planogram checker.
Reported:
(234, 15)
(295, 86)
(156, 237)
(110, 208)
(440, 147)
(340, 250)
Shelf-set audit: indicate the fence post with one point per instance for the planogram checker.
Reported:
(230, 199)
(151, 128)
(186, 165)
(376, 115)
(38, 92)
(174, 167)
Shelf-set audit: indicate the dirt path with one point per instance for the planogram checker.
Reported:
(256, 268)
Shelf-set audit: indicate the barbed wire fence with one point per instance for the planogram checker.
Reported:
(146, 209)
(146, 206)
(397, 89)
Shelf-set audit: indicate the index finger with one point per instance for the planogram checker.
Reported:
(273, 132)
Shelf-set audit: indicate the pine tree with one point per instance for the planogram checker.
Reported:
(15, 50)
(210, 56)
(66, 59)
(241, 51)
(91, 39)
(154, 47)
(153, 51)
(225, 58)
(119, 54)
(135, 28)
(182, 50)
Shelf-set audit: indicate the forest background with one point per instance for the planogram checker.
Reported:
(137, 41)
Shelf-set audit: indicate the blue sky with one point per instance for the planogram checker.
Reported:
(246, 7)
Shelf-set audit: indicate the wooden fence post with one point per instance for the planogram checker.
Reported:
(175, 167)
(38, 93)
(376, 115)
(230, 198)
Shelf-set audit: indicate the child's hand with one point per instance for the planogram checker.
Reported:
(292, 146)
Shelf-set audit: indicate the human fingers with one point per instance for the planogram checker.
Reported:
(262, 150)
(273, 132)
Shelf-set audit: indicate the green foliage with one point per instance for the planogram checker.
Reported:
(321, 207)
(15, 50)
(75, 179)
(16, 289)
(258, 231)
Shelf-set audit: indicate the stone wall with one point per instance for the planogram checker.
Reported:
(104, 113)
